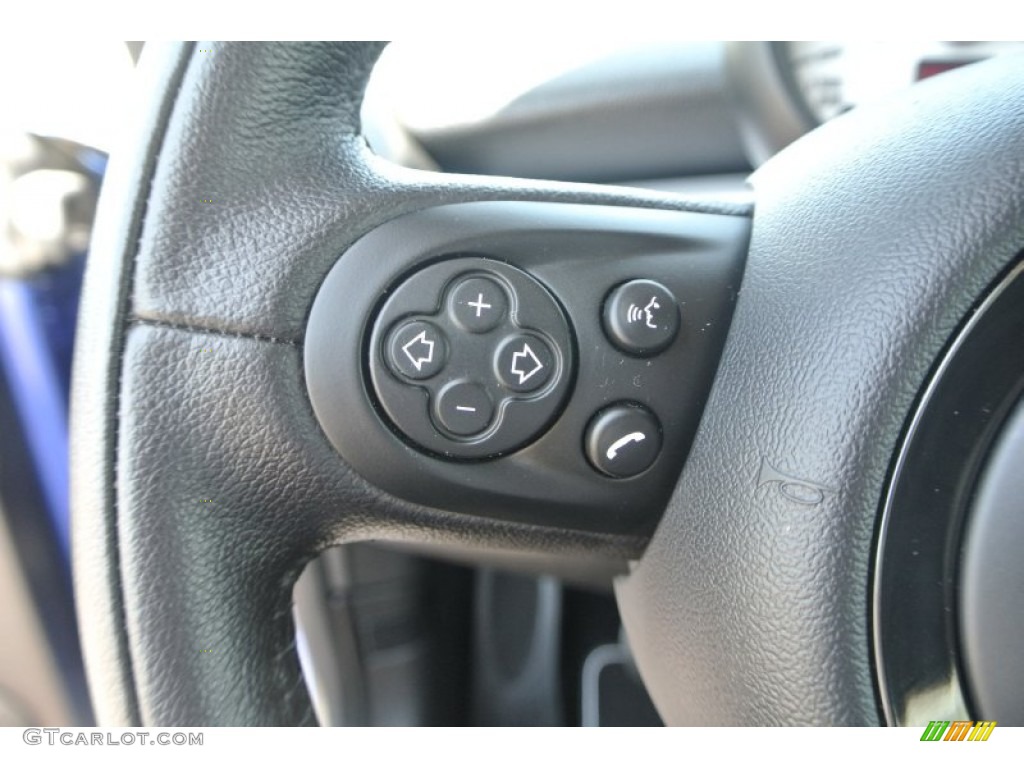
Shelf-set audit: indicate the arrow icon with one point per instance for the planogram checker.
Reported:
(423, 342)
(525, 354)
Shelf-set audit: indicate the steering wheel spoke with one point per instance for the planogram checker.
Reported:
(288, 342)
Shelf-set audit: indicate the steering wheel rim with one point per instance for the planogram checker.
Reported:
(202, 482)
(898, 220)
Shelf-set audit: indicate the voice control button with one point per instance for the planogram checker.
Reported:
(641, 317)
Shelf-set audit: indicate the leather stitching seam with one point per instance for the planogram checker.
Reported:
(213, 331)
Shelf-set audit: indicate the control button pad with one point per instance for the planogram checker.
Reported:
(471, 358)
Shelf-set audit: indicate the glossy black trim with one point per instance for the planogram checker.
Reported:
(991, 582)
(916, 638)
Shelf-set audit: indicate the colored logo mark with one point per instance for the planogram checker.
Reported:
(958, 730)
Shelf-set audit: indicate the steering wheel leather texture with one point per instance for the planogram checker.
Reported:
(203, 479)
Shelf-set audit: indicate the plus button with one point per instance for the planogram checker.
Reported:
(479, 304)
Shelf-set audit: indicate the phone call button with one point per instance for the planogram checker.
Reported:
(623, 440)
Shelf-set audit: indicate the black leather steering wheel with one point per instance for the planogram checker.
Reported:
(872, 238)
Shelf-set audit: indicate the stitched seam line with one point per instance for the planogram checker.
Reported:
(213, 331)
(126, 300)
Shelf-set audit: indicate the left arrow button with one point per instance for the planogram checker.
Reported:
(417, 350)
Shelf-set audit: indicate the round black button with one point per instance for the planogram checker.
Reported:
(524, 363)
(478, 304)
(417, 350)
(464, 408)
(623, 440)
(641, 317)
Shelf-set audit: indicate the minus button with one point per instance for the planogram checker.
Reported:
(463, 409)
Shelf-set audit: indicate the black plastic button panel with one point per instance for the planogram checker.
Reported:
(460, 357)
(470, 358)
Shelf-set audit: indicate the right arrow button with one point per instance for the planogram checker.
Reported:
(524, 363)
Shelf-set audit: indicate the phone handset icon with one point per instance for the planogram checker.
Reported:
(622, 442)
